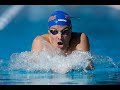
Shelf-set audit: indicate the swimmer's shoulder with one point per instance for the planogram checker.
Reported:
(37, 45)
(84, 36)
(42, 37)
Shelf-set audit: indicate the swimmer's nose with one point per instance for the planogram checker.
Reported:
(59, 36)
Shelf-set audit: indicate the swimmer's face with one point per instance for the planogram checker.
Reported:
(60, 36)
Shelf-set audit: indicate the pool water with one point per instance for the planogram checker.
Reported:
(18, 66)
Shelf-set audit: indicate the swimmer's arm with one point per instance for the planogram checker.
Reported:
(36, 45)
(84, 46)
(84, 43)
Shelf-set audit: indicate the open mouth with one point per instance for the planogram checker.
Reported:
(60, 43)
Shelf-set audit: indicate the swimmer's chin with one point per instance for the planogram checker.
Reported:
(60, 46)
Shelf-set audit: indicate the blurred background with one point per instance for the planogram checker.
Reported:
(20, 24)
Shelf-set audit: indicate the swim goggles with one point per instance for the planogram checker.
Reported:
(65, 31)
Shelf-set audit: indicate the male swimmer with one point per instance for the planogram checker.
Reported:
(61, 37)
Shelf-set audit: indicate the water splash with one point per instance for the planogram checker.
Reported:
(104, 62)
(43, 62)
(49, 59)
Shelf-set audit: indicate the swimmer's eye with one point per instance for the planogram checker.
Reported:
(65, 32)
(54, 32)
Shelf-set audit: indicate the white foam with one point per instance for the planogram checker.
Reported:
(49, 59)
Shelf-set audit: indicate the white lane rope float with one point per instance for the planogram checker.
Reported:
(9, 14)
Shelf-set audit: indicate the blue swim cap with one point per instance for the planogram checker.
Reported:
(59, 18)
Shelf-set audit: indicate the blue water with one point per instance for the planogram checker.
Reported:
(100, 23)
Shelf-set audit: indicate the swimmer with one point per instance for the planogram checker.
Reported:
(61, 37)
